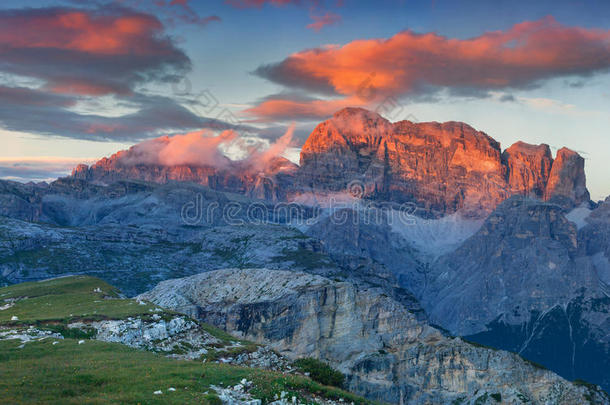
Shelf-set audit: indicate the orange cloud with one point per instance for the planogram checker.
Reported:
(320, 21)
(286, 109)
(410, 63)
(199, 148)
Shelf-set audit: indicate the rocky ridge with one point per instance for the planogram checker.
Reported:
(442, 167)
(385, 351)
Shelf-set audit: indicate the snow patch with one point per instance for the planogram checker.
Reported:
(579, 216)
(435, 237)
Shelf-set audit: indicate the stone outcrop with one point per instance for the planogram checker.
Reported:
(385, 351)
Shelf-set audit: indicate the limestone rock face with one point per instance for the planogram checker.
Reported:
(567, 177)
(530, 282)
(528, 168)
(444, 167)
(385, 351)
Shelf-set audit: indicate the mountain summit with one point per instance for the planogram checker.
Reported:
(444, 166)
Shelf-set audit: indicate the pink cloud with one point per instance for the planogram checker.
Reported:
(203, 148)
(199, 148)
(410, 63)
(82, 31)
(83, 51)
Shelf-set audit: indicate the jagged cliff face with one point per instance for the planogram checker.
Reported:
(528, 168)
(387, 353)
(445, 167)
(567, 178)
(532, 282)
(525, 250)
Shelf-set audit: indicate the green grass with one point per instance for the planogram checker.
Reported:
(66, 299)
(98, 372)
(57, 286)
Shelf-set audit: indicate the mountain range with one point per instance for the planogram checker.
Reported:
(502, 259)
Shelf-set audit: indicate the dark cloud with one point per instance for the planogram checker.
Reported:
(290, 73)
(507, 98)
(173, 12)
(36, 111)
(300, 134)
(37, 169)
(79, 54)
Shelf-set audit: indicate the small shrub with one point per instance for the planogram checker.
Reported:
(72, 333)
(497, 396)
(320, 372)
(212, 399)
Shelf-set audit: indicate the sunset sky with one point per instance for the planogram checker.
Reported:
(82, 79)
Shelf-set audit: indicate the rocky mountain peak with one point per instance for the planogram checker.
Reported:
(443, 167)
(528, 168)
(567, 179)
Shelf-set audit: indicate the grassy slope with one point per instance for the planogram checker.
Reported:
(68, 298)
(99, 372)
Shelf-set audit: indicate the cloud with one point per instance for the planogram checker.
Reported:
(549, 105)
(181, 11)
(320, 21)
(204, 148)
(259, 3)
(72, 56)
(198, 148)
(408, 64)
(41, 112)
(92, 52)
(260, 160)
(39, 168)
(283, 108)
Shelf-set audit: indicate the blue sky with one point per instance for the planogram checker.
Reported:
(562, 107)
